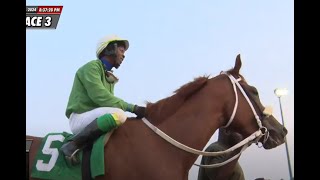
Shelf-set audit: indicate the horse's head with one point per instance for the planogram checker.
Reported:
(250, 115)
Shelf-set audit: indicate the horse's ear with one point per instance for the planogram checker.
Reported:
(237, 65)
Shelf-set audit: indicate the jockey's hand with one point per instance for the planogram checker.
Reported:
(139, 111)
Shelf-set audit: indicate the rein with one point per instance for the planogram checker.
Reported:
(245, 143)
(253, 138)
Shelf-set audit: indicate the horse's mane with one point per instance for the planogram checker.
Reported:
(164, 108)
(186, 90)
(167, 106)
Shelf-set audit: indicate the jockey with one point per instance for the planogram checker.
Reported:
(92, 108)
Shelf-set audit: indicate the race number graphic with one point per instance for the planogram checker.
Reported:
(42, 17)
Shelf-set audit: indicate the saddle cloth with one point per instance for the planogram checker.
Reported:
(50, 163)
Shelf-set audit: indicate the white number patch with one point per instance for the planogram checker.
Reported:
(54, 152)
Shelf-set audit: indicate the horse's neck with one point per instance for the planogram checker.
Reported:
(194, 123)
(192, 128)
(161, 113)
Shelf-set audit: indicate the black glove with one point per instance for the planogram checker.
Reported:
(139, 111)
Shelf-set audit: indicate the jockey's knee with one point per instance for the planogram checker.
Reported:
(119, 116)
(111, 119)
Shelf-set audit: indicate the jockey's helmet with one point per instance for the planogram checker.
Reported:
(105, 41)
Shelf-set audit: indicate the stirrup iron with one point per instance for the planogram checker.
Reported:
(74, 158)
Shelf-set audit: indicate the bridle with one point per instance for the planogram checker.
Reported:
(268, 112)
(253, 138)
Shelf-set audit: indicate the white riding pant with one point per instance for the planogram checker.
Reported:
(78, 122)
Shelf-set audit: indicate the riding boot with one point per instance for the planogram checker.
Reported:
(79, 141)
(89, 134)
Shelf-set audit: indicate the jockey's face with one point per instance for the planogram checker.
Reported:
(120, 50)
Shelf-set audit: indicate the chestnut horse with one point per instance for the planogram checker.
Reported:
(190, 116)
(229, 171)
